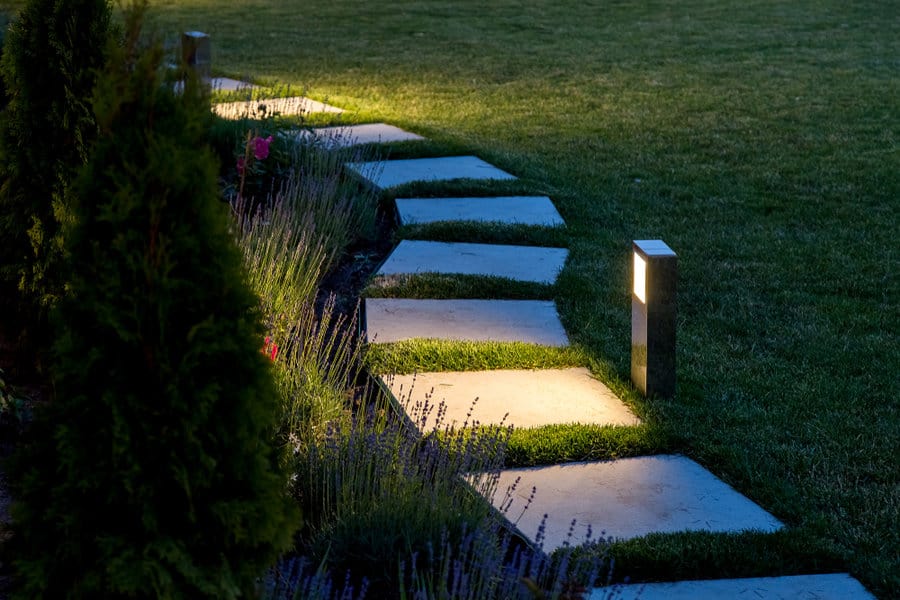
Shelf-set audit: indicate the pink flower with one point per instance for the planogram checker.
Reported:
(261, 147)
(270, 349)
(241, 165)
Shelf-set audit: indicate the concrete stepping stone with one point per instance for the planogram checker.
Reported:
(627, 498)
(832, 586)
(391, 173)
(227, 84)
(529, 321)
(297, 105)
(522, 398)
(346, 136)
(523, 263)
(525, 210)
(224, 84)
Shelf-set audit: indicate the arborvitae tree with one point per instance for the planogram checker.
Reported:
(52, 53)
(153, 473)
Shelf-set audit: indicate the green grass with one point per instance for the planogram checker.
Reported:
(485, 233)
(553, 444)
(420, 356)
(668, 557)
(758, 139)
(438, 285)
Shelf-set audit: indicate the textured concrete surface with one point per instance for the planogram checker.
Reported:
(628, 498)
(522, 398)
(523, 263)
(297, 105)
(525, 210)
(344, 136)
(529, 321)
(391, 173)
(837, 586)
(226, 84)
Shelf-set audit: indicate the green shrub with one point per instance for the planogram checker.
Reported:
(153, 474)
(52, 53)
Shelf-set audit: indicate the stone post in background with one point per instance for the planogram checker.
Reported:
(195, 53)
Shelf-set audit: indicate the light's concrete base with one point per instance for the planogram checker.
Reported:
(523, 263)
(529, 321)
(525, 210)
(838, 586)
(628, 498)
(392, 173)
(522, 398)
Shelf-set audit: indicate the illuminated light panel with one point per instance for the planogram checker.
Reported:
(640, 278)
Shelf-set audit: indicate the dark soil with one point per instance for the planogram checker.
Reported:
(359, 263)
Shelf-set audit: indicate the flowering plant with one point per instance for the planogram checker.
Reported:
(252, 160)
(270, 348)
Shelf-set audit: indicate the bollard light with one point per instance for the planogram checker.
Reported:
(653, 311)
(195, 51)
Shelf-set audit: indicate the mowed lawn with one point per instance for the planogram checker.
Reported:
(758, 139)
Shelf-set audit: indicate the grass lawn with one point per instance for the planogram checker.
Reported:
(758, 139)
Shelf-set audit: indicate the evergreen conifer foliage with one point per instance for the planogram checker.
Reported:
(153, 474)
(51, 57)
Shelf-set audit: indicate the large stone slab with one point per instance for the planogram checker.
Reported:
(255, 109)
(832, 586)
(391, 173)
(227, 84)
(523, 263)
(345, 136)
(628, 498)
(529, 321)
(525, 210)
(522, 398)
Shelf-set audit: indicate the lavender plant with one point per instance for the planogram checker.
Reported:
(380, 492)
(401, 516)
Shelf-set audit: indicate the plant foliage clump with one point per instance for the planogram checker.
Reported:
(51, 57)
(153, 473)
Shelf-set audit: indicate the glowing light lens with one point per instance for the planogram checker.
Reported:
(640, 278)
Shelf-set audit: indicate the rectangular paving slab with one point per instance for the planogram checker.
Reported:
(297, 105)
(391, 173)
(525, 210)
(830, 586)
(627, 498)
(523, 263)
(529, 321)
(227, 84)
(522, 398)
(345, 136)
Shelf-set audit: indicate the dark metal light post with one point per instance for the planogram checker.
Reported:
(653, 311)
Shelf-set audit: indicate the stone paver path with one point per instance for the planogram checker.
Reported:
(253, 109)
(529, 321)
(833, 586)
(344, 136)
(622, 498)
(522, 398)
(523, 263)
(525, 210)
(628, 498)
(391, 173)
(226, 84)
